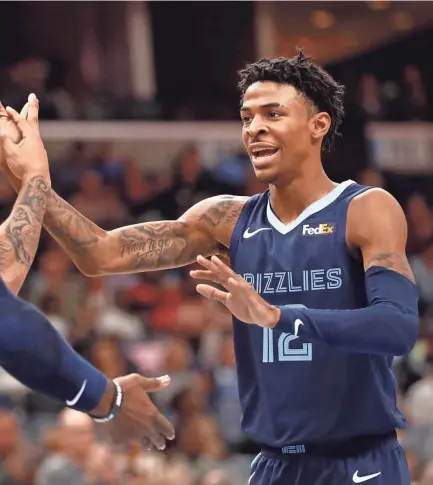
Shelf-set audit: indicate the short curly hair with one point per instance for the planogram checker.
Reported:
(317, 86)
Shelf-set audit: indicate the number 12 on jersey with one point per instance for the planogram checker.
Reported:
(285, 352)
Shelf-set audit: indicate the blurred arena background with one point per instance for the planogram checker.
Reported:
(139, 108)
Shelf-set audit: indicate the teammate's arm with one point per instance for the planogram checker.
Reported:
(20, 233)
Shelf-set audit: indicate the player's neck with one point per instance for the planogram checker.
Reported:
(289, 200)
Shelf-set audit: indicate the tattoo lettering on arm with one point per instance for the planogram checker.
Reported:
(395, 261)
(160, 245)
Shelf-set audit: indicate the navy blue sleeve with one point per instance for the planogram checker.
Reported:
(388, 326)
(34, 352)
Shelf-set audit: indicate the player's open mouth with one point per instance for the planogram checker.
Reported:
(263, 154)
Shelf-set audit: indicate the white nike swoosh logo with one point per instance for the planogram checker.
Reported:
(298, 323)
(74, 401)
(248, 234)
(358, 479)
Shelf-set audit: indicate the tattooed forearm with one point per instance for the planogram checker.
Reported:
(20, 233)
(162, 245)
(395, 261)
(173, 244)
(73, 231)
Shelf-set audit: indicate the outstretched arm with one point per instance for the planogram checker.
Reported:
(204, 229)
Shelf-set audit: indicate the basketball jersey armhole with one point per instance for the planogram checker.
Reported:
(240, 226)
(354, 253)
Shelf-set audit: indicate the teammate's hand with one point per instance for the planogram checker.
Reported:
(28, 157)
(138, 419)
(240, 299)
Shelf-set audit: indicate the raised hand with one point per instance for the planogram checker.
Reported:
(240, 298)
(29, 156)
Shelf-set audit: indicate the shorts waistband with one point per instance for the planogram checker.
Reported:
(341, 449)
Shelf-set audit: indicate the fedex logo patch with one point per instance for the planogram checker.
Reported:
(317, 229)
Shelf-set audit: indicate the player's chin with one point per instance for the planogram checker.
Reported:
(266, 174)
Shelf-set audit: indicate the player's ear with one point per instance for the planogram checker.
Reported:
(320, 123)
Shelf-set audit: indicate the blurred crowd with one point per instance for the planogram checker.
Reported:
(155, 323)
(64, 94)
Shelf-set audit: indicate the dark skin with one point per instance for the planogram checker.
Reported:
(272, 114)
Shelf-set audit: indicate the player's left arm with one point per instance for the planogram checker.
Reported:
(376, 226)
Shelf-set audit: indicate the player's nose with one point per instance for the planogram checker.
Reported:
(256, 127)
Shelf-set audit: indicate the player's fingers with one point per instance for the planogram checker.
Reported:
(156, 439)
(33, 114)
(22, 124)
(8, 145)
(154, 384)
(219, 276)
(223, 269)
(164, 427)
(146, 444)
(24, 112)
(206, 263)
(213, 294)
(199, 274)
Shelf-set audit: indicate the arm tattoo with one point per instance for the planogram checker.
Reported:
(73, 231)
(225, 212)
(173, 244)
(19, 236)
(395, 261)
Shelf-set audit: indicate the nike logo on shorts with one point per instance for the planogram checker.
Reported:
(357, 479)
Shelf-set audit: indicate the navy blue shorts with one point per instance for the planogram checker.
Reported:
(381, 463)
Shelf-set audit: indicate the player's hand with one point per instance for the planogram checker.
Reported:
(138, 418)
(240, 298)
(28, 157)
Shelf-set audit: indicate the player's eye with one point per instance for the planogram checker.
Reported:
(246, 119)
(273, 115)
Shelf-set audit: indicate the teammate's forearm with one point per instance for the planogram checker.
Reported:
(32, 351)
(20, 233)
(389, 326)
(77, 235)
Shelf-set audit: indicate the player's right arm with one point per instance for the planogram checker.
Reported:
(204, 229)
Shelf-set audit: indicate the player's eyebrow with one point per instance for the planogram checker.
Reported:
(263, 106)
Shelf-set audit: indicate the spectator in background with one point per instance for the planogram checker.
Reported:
(371, 177)
(99, 203)
(29, 75)
(414, 95)
(68, 172)
(370, 100)
(76, 440)
(420, 223)
(190, 183)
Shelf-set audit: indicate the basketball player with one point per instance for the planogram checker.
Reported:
(31, 349)
(320, 287)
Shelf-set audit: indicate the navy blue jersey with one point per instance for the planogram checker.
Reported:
(292, 391)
